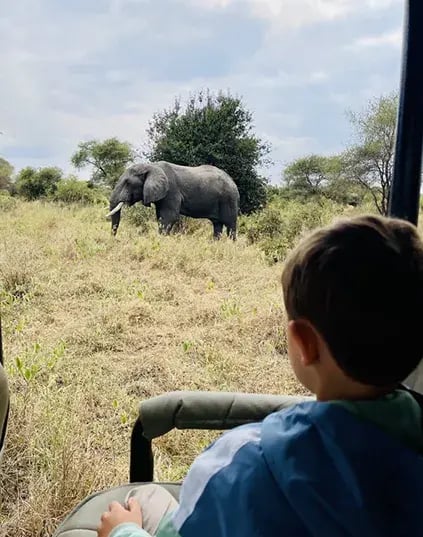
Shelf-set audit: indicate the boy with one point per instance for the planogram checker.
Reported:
(350, 463)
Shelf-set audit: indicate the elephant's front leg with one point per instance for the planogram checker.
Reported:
(166, 220)
(165, 228)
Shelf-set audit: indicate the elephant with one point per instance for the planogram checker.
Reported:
(198, 192)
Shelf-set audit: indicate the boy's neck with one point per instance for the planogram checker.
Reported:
(352, 392)
(332, 383)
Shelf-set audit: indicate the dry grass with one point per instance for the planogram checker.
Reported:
(93, 325)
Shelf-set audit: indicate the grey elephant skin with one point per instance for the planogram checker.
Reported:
(197, 192)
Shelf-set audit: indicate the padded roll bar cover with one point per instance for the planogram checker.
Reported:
(415, 380)
(4, 406)
(207, 410)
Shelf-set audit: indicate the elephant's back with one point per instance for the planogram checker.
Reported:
(206, 176)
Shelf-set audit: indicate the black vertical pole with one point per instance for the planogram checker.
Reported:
(141, 462)
(405, 189)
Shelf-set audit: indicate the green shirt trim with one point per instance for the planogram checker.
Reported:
(397, 413)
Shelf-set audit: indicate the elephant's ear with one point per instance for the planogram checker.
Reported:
(156, 185)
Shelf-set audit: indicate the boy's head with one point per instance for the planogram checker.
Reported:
(354, 298)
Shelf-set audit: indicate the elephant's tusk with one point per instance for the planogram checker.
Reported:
(116, 209)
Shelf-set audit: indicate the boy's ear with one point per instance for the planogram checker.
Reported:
(306, 339)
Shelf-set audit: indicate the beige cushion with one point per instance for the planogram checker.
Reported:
(84, 519)
(415, 380)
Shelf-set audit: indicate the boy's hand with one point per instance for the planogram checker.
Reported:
(119, 515)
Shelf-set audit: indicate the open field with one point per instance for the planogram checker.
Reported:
(92, 325)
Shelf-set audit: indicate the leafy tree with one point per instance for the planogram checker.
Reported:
(6, 172)
(108, 159)
(317, 175)
(216, 130)
(33, 184)
(308, 175)
(370, 161)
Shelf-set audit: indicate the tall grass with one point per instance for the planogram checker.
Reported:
(95, 324)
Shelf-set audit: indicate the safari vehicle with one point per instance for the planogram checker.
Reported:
(222, 411)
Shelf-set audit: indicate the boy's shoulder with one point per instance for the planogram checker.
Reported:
(283, 471)
(310, 440)
(316, 437)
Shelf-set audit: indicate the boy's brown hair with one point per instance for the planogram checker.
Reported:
(360, 283)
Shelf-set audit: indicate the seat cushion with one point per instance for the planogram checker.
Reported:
(84, 519)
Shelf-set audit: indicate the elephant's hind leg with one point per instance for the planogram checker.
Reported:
(231, 231)
(217, 230)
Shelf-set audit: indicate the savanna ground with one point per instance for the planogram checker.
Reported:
(93, 325)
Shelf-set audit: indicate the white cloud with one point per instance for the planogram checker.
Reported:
(393, 39)
(294, 14)
(284, 79)
(72, 76)
(212, 4)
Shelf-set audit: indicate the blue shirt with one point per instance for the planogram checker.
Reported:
(313, 470)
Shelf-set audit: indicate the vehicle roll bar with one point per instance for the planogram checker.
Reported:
(405, 188)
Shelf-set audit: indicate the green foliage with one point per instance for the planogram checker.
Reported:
(108, 159)
(216, 130)
(140, 217)
(316, 176)
(72, 190)
(7, 203)
(36, 362)
(273, 192)
(280, 225)
(308, 175)
(230, 308)
(32, 184)
(187, 345)
(6, 172)
(370, 161)
(364, 168)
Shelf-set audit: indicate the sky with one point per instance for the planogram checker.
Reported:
(74, 70)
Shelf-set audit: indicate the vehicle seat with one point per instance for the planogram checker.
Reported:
(157, 416)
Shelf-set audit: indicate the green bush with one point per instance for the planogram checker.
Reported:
(75, 191)
(279, 226)
(7, 203)
(139, 216)
(33, 184)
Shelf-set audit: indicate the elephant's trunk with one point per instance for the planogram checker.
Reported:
(115, 221)
(115, 212)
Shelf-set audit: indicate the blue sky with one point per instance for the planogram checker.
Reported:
(74, 70)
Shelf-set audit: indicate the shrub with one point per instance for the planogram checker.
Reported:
(7, 203)
(32, 184)
(277, 228)
(139, 216)
(75, 191)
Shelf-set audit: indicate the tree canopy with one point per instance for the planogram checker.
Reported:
(370, 161)
(365, 166)
(108, 159)
(217, 130)
(317, 175)
(32, 184)
(309, 175)
(6, 172)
